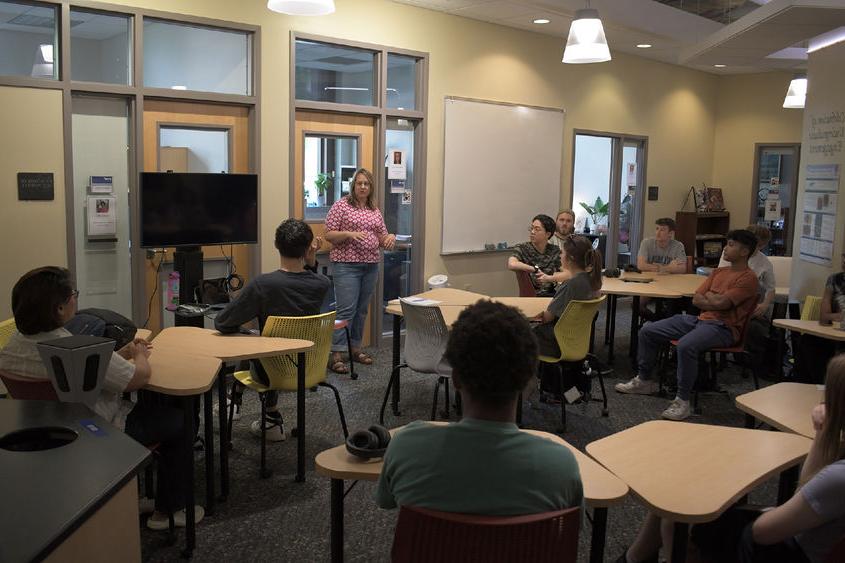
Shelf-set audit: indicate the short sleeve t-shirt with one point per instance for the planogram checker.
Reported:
(653, 254)
(825, 493)
(836, 284)
(343, 216)
(20, 356)
(548, 262)
(576, 287)
(741, 288)
(478, 467)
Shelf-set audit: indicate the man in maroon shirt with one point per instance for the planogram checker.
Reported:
(726, 299)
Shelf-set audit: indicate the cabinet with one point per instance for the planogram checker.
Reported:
(703, 234)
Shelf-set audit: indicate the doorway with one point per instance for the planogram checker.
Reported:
(608, 180)
(774, 191)
(191, 137)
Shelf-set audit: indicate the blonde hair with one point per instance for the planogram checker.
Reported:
(370, 203)
(830, 436)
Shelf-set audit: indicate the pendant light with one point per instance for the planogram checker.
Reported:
(586, 43)
(796, 94)
(302, 7)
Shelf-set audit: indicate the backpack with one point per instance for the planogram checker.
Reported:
(105, 323)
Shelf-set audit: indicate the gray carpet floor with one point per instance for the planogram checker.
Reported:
(277, 519)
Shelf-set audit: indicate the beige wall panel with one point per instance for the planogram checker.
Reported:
(750, 110)
(825, 100)
(33, 232)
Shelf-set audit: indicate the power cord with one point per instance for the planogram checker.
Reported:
(155, 288)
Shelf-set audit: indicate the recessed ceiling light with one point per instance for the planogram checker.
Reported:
(644, 46)
(720, 66)
(541, 21)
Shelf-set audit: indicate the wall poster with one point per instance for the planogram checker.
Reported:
(818, 215)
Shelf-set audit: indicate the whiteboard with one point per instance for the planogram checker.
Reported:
(501, 167)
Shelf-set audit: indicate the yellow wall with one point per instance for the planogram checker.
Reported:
(825, 98)
(675, 107)
(33, 231)
(750, 110)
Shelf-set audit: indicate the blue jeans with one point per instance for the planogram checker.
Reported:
(694, 337)
(354, 283)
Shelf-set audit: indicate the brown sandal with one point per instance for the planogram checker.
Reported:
(338, 366)
(362, 358)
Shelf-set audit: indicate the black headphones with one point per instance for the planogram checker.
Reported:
(234, 282)
(612, 273)
(370, 443)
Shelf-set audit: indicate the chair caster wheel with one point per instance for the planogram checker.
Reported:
(187, 553)
(293, 432)
(354, 376)
(313, 389)
(265, 473)
(604, 412)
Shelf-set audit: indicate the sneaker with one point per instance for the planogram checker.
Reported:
(638, 386)
(678, 410)
(237, 413)
(159, 520)
(275, 427)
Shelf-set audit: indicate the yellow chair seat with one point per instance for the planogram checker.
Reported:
(811, 311)
(573, 330)
(245, 378)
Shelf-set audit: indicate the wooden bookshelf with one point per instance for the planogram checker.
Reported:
(701, 232)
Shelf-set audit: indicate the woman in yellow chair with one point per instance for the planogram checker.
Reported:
(813, 352)
(583, 263)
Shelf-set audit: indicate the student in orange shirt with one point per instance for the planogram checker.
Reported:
(726, 299)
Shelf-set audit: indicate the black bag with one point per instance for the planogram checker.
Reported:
(105, 323)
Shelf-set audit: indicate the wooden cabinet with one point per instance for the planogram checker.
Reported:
(703, 235)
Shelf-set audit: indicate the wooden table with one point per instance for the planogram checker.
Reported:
(651, 285)
(451, 302)
(601, 488)
(830, 332)
(691, 473)
(199, 349)
(785, 406)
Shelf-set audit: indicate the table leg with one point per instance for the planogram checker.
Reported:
(680, 536)
(397, 336)
(599, 534)
(613, 299)
(208, 422)
(607, 321)
(337, 521)
(635, 326)
(190, 526)
(787, 483)
(300, 417)
(225, 433)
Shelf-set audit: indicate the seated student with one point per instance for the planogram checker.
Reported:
(43, 300)
(758, 330)
(538, 256)
(814, 352)
(664, 255)
(804, 529)
(726, 298)
(583, 263)
(564, 226)
(294, 290)
(483, 464)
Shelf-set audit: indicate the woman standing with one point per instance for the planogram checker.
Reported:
(356, 229)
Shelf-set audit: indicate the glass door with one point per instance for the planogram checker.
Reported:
(775, 187)
(604, 214)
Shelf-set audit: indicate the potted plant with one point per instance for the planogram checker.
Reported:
(597, 212)
(323, 183)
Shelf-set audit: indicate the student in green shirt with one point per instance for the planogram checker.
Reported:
(483, 464)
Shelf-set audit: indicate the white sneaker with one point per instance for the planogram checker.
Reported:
(638, 386)
(677, 410)
(159, 520)
(275, 428)
(237, 413)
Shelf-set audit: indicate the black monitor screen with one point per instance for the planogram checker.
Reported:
(198, 209)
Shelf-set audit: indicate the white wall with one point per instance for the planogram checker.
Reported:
(18, 50)
(208, 149)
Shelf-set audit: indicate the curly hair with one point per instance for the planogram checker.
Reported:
(293, 237)
(36, 298)
(492, 351)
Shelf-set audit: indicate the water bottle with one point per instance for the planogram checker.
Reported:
(172, 291)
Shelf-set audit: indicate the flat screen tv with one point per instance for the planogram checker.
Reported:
(185, 209)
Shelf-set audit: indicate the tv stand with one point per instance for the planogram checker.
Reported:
(187, 260)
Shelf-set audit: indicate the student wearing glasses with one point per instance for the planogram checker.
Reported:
(538, 256)
(43, 301)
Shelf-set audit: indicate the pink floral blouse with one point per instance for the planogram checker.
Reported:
(343, 216)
